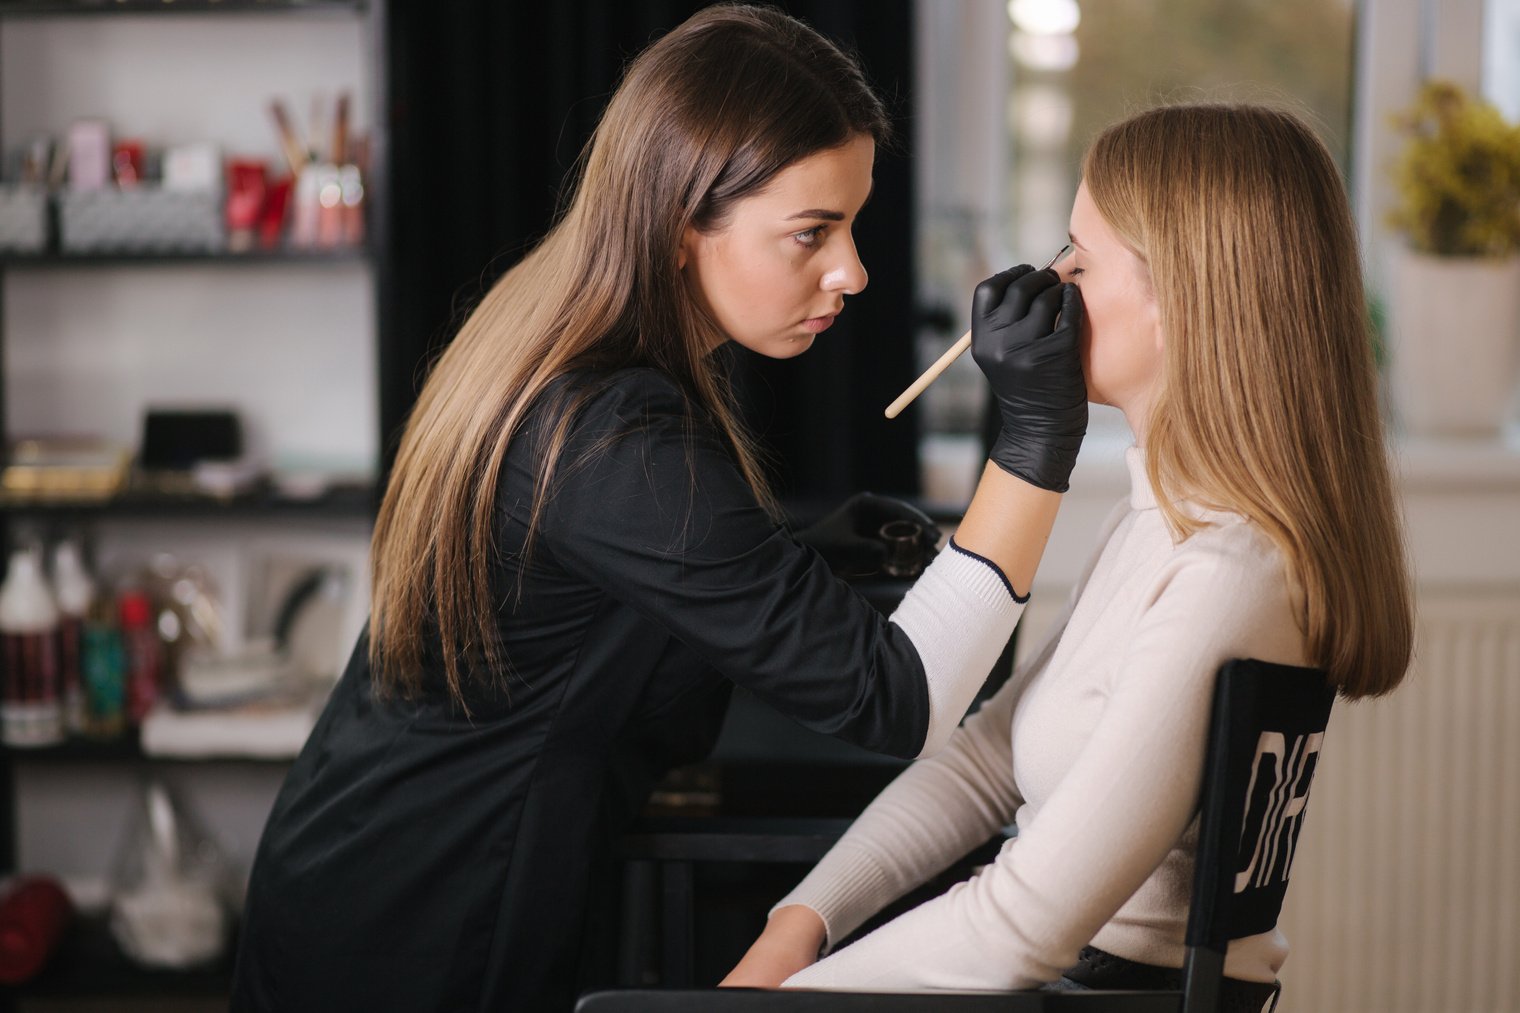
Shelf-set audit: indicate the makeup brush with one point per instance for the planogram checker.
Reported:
(941, 364)
(294, 153)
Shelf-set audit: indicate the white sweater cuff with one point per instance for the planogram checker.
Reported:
(842, 892)
(959, 616)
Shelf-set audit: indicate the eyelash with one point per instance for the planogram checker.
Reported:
(808, 238)
(1076, 271)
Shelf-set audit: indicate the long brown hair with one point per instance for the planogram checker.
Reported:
(703, 118)
(1268, 403)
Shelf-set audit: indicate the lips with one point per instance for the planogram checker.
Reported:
(819, 324)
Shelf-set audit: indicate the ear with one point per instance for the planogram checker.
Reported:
(691, 241)
(1153, 313)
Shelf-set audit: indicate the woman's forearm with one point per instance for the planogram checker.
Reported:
(1009, 523)
(791, 941)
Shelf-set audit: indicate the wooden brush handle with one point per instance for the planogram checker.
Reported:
(931, 374)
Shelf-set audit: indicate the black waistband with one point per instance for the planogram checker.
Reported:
(1099, 969)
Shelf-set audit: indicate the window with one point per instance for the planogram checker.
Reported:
(1501, 57)
(1009, 95)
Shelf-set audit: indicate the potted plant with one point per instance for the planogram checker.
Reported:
(1455, 294)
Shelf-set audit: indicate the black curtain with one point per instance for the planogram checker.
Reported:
(490, 104)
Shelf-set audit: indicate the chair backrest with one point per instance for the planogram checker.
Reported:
(1265, 735)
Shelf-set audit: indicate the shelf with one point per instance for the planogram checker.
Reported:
(25, 8)
(353, 502)
(88, 969)
(347, 255)
(88, 963)
(124, 750)
(118, 750)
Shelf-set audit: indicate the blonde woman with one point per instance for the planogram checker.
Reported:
(574, 555)
(1224, 315)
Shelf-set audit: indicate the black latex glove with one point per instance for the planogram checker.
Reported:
(850, 538)
(1035, 369)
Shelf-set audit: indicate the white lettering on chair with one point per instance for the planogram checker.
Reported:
(1287, 794)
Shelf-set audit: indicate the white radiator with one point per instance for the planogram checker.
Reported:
(1405, 893)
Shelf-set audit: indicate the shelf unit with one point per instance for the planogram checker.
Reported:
(88, 964)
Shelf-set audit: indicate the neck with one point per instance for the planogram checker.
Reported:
(1138, 417)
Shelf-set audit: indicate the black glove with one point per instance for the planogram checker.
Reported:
(1035, 370)
(852, 542)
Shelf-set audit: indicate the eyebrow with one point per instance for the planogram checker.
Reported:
(1075, 241)
(828, 215)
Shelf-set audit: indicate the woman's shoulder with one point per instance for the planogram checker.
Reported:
(1229, 587)
(629, 395)
(596, 405)
(1230, 558)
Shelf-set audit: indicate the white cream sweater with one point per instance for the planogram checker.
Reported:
(1094, 749)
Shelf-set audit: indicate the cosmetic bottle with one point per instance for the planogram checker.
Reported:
(32, 710)
(75, 592)
(103, 666)
(144, 653)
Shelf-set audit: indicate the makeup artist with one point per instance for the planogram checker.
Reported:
(577, 551)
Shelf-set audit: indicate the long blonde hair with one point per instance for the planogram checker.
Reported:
(1268, 403)
(704, 117)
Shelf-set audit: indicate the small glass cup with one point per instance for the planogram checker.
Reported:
(905, 548)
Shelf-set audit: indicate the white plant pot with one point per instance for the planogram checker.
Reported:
(1455, 348)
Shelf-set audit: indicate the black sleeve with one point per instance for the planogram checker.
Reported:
(650, 505)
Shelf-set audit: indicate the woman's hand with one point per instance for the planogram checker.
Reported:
(1025, 327)
(790, 942)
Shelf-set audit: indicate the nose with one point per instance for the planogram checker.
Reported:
(847, 274)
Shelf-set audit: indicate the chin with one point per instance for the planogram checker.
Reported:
(787, 348)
